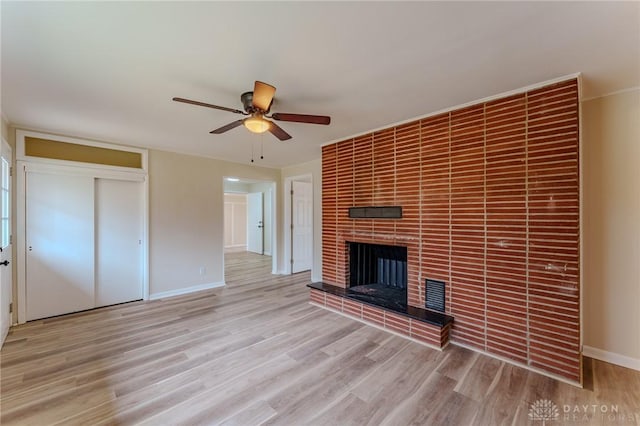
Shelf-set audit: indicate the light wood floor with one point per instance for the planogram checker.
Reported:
(256, 352)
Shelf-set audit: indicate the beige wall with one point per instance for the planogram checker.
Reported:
(313, 168)
(611, 227)
(5, 130)
(186, 218)
(9, 134)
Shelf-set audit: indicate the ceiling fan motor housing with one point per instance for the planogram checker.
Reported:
(247, 102)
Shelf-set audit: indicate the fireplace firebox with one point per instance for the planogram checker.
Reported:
(378, 274)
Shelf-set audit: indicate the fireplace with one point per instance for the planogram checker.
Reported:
(378, 274)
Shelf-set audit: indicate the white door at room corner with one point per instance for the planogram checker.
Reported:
(255, 223)
(5, 241)
(59, 244)
(302, 221)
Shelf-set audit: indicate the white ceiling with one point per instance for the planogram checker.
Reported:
(108, 70)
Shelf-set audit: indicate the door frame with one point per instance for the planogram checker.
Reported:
(10, 254)
(274, 214)
(27, 163)
(288, 206)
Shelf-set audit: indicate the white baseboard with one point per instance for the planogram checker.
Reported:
(611, 357)
(186, 290)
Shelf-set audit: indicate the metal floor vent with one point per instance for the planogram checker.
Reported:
(434, 295)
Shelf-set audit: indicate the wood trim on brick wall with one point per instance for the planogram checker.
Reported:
(490, 200)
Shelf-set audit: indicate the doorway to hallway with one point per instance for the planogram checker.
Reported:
(249, 224)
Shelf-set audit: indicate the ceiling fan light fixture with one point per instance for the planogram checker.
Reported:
(256, 124)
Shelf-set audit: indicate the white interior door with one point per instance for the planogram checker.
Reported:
(302, 229)
(5, 241)
(119, 235)
(235, 221)
(255, 223)
(59, 244)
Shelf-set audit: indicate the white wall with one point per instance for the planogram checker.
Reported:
(314, 168)
(611, 228)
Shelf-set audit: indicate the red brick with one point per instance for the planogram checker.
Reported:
(476, 186)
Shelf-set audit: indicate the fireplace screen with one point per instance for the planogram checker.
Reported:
(378, 273)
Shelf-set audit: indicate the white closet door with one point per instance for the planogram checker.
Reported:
(119, 235)
(60, 244)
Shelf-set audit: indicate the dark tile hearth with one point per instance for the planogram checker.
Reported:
(380, 295)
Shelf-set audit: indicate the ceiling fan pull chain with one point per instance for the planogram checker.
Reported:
(262, 146)
(252, 151)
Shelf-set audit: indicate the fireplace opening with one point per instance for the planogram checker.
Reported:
(378, 274)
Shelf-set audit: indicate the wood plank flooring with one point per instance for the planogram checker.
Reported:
(255, 352)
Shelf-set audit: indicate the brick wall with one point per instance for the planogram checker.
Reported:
(490, 199)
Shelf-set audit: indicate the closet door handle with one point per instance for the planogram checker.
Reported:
(5, 263)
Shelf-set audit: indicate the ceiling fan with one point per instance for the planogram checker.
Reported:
(257, 105)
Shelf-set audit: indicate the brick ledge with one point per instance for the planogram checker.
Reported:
(435, 318)
(435, 336)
